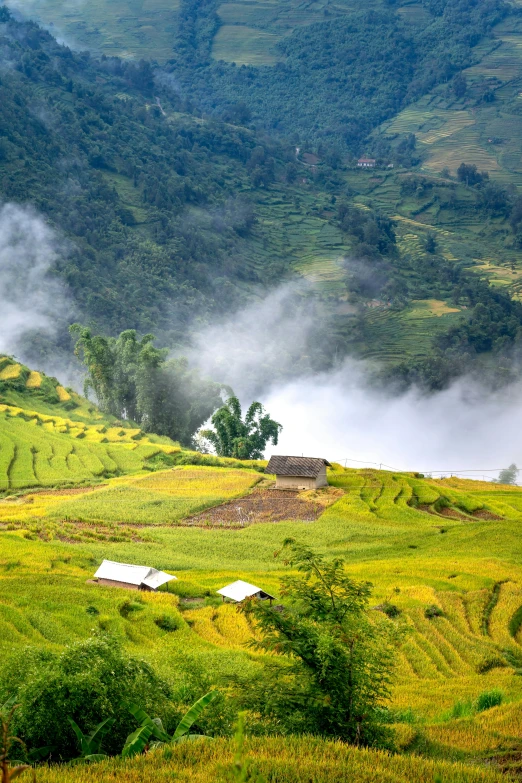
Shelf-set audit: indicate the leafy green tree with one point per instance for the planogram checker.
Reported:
(134, 380)
(335, 661)
(508, 475)
(233, 437)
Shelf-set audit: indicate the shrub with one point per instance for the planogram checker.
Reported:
(489, 699)
(461, 709)
(128, 607)
(167, 623)
(515, 622)
(433, 611)
(88, 682)
(390, 610)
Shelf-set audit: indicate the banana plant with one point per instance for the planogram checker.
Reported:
(90, 744)
(151, 732)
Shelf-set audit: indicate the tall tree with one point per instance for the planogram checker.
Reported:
(246, 439)
(337, 660)
(134, 380)
(508, 475)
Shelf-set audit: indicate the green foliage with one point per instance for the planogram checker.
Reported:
(433, 611)
(167, 623)
(133, 380)
(88, 683)
(337, 660)
(508, 475)
(489, 699)
(378, 63)
(151, 729)
(240, 439)
(7, 742)
(90, 745)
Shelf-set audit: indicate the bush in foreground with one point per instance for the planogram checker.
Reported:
(88, 682)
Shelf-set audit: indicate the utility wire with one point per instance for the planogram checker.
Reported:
(402, 470)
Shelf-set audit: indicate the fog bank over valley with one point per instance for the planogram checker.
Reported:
(339, 415)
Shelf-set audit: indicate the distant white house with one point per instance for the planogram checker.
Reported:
(238, 591)
(133, 577)
(366, 163)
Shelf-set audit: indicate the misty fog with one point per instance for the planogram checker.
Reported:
(262, 352)
(337, 415)
(32, 301)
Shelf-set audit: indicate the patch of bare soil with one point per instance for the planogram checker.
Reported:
(510, 763)
(261, 505)
(72, 490)
(483, 513)
(452, 513)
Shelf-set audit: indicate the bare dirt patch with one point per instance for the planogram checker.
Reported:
(452, 513)
(266, 505)
(72, 490)
(483, 513)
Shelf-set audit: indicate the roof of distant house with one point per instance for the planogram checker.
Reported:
(239, 590)
(310, 467)
(366, 160)
(132, 574)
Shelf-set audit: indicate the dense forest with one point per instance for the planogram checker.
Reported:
(159, 196)
(86, 143)
(338, 79)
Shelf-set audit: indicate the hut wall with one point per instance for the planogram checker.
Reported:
(295, 482)
(321, 480)
(113, 583)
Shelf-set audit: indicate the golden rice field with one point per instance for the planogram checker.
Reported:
(291, 759)
(451, 544)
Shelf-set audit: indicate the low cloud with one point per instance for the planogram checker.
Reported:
(33, 301)
(464, 430)
(263, 352)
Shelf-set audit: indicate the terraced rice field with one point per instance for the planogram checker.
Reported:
(391, 334)
(450, 544)
(245, 45)
(127, 28)
(42, 450)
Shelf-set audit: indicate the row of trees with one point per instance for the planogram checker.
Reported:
(328, 672)
(134, 380)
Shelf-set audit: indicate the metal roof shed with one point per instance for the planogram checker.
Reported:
(238, 591)
(132, 577)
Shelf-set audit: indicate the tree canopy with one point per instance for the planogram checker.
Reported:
(134, 380)
(242, 439)
(337, 661)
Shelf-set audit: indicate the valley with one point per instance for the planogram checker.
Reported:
(321, 194)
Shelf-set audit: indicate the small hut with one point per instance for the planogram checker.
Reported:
(132, 577)
(298, 472)
(238, 591)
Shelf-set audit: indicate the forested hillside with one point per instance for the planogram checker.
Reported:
(179, 211)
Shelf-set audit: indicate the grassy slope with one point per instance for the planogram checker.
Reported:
(386, 526)
(51, 436)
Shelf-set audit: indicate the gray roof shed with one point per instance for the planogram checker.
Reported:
(310, 467)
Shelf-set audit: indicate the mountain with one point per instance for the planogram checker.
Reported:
(174, 217)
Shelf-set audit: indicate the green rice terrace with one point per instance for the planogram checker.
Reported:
(442, 556)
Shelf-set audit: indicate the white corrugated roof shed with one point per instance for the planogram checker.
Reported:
(132, 574)
(239, 590)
